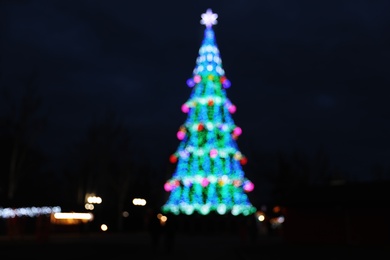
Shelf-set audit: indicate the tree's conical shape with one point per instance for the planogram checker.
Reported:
(208, 175)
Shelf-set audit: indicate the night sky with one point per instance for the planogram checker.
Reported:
(304, 74)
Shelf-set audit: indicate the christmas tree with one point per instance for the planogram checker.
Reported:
(208, 175)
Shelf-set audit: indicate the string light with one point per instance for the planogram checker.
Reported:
(28, 211)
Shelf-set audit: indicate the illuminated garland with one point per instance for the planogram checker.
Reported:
(209, 175)
(28, 212)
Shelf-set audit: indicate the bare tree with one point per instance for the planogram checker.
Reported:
(108, 164)
(23, 122)
(297, 170)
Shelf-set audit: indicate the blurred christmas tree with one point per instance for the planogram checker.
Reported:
(208, 176)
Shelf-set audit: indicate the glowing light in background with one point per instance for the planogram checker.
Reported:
(260, 216)
(73, 215)
(163, 219)
(94, 200)
(70, 218)
(103, 227)
(28, 211)
(89, 206)
(139, 202)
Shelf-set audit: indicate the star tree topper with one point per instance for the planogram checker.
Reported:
(209, 18)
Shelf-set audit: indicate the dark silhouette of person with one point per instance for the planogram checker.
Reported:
(170, 227)
(242, 230)
(253, 231)
(154, 228)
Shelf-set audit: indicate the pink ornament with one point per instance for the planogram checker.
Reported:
(185, 108)
(248, 186)
(167, 186)
(213, 153)
(232, 109)
(205, 182)
(237, 131)
(197, 78)
(180, 135)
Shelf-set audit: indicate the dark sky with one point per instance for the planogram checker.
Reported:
(304, 74)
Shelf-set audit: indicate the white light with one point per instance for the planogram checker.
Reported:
(209, 18)
(280, 219)
(104, 227)
(139, 202)
(209, 48)
(73, 215)
(200, 152)
(30, 212)
(209, 126)
(94, 200)
(261, 218)
(89, 206)
(221, 209)
(212, 179)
